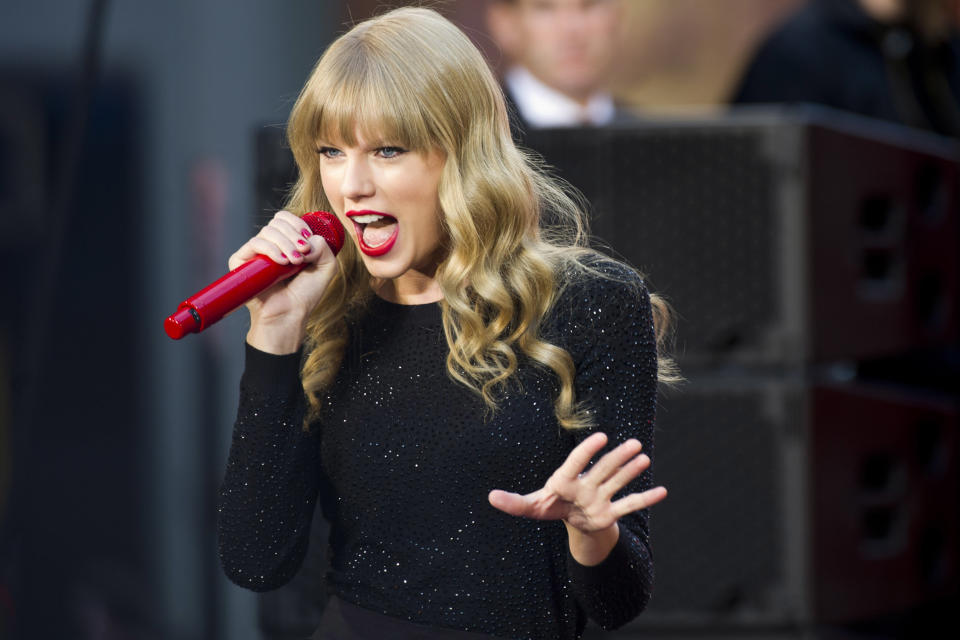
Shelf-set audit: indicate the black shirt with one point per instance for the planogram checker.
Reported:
(403, 459)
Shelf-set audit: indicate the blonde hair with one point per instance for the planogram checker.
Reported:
(420, 83)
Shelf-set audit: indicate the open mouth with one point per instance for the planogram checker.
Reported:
(376, 232)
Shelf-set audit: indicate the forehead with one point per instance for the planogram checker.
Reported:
(556, 4)
(364, 115)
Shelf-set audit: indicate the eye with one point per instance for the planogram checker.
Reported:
(329, 152)
(390, 152)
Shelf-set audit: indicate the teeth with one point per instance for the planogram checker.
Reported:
(367, 219)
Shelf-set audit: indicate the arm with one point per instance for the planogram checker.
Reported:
(603, 506)
(270, 485)
(617, 379)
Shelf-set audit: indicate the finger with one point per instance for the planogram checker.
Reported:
(638, 501)
(581, 456)
(512, 503)
(252, 248)
(293, 227)
(624, 475)
(319, 250)
(299, 231)
(612, 461)
(293, 220)
(312, 246)
(243, 254)
(295, 230)
(282, 239)
(287, 223)
(261, 246)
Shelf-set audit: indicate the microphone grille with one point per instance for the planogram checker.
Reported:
(326, 225)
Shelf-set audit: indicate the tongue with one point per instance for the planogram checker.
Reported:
(376, 233)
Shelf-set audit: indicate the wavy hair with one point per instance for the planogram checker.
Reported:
(412, 78)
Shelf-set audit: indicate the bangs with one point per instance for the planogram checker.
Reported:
(355, 91)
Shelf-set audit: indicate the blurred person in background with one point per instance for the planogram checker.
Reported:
(560, 55)
(895, 60)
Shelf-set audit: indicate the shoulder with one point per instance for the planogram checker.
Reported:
(601, 276)
(599, 294)
(797, 48)
(820, 31)
(809, 24)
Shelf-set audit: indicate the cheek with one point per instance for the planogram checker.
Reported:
(538, 38)
(428, 218)
(330, 188)
(436, 219)
(547, 45)
(603, 32)
(436, 227)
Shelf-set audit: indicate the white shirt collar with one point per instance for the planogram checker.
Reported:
(542, 106)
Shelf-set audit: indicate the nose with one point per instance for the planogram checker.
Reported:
(357, 179)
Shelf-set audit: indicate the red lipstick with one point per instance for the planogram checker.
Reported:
(359, 227)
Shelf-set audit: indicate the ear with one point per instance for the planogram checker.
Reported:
(503, 24)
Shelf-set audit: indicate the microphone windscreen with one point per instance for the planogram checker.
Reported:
(327, 226)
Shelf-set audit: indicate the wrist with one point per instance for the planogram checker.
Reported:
(592, 548)
(279, 338)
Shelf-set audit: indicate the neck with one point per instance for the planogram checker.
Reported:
(410, 288)
(582, 100)
(581, 96)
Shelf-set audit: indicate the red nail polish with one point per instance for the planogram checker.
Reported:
(296, 254)
(284, 255)
(306, 233)
(302, 243)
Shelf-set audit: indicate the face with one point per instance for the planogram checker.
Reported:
(568, 44)
(387, 198)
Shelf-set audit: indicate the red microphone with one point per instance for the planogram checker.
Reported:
(211, 303)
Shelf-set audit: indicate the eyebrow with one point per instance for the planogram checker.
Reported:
(370, 146)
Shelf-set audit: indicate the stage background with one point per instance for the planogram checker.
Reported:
(113, 437)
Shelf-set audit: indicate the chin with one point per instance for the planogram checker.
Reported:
(377, 269)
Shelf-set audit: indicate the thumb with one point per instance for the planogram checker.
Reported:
(512, 503)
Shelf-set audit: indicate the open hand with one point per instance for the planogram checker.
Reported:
(584, 499)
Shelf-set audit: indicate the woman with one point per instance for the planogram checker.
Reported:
(444, 383)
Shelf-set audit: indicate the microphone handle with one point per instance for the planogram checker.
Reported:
(222, 296)
(216, 300)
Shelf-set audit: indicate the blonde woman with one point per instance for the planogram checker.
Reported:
(466, 389)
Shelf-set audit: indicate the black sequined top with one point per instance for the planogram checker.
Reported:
(403, 459)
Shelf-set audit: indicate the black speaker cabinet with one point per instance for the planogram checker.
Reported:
(794, 504)
(780, 238)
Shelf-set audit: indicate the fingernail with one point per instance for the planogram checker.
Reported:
(306, 233)
(284, 255)
(296, 254)
(302, 243)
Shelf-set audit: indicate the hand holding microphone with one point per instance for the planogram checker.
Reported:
(288, 246)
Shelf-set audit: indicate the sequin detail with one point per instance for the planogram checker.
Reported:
(403, 458)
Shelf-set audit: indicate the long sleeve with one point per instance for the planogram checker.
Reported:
(617, 381)
(270, 485)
